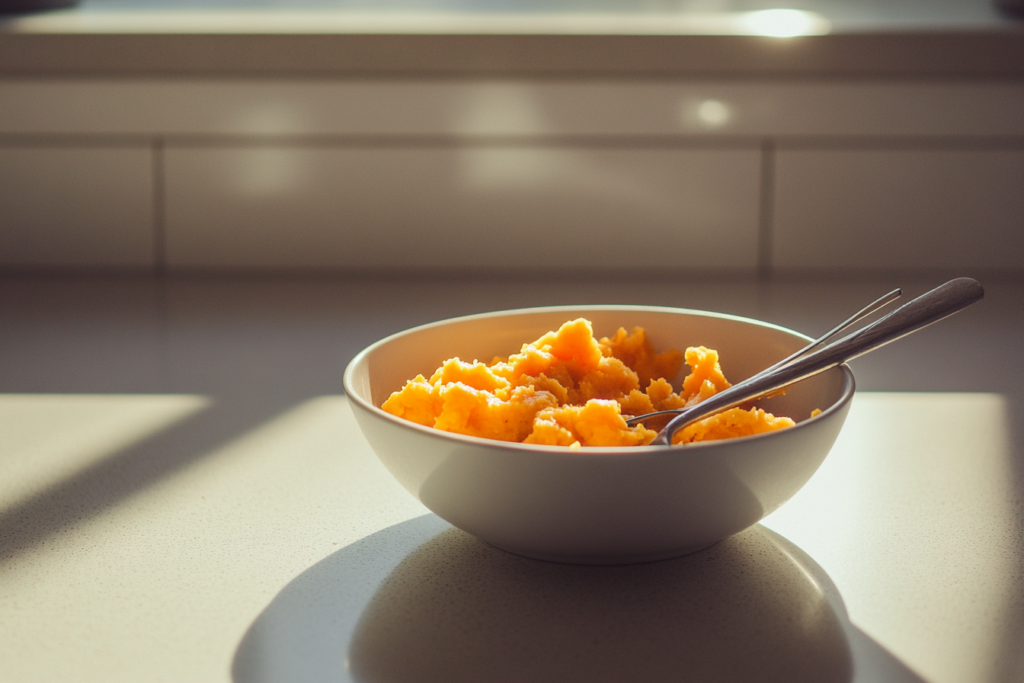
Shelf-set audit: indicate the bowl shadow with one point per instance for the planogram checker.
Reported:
(423, 601)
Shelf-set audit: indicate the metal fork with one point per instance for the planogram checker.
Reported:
(939, 303)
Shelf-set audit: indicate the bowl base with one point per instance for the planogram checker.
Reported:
(612, 559)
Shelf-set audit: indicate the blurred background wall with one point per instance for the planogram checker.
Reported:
(151, 147)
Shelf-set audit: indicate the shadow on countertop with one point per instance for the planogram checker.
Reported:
(422, 601)
(128, 470)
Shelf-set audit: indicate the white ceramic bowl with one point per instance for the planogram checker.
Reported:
(598, 505)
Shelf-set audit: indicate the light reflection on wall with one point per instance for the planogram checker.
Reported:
(269, 118)
(267, 172)
(552, 174)
(538, 171)
(502, 109)
(698, 114)
(714, 113)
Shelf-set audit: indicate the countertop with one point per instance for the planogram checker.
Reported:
(898, 39)
(185, 496)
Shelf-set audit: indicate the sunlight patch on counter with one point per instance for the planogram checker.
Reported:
(169, 578)
(912, 516)
(48, 438)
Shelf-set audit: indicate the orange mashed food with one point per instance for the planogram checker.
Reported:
(570, 389)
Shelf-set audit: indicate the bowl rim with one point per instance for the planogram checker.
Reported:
(846, 395)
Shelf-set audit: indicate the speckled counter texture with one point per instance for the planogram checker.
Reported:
(185, 496)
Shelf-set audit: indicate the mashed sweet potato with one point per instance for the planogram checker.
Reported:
(570, 389)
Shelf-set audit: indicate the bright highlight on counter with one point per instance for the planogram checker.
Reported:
(785, 23)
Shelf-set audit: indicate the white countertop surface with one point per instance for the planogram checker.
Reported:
(182, 498)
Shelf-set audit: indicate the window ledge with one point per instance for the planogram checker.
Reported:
(92, 41)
